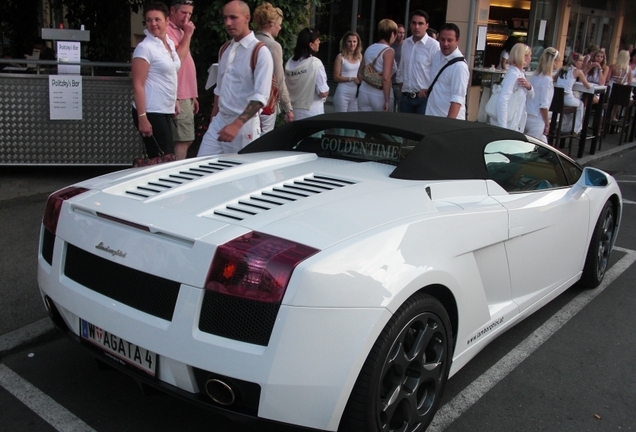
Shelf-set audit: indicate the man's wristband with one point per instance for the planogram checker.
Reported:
(142, 115)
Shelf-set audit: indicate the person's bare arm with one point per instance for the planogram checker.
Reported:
(139, 69)
(230, 131)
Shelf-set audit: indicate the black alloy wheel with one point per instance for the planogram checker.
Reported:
(598, 253)
(403, 379)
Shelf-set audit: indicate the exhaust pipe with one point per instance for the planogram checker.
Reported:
(220, 392)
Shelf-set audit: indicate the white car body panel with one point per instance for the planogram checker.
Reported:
(380, 239)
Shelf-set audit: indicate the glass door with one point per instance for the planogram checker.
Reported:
(587, 29)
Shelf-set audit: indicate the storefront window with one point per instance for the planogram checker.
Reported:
(544, 25)
(590, 26)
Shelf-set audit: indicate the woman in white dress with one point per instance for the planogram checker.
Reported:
(345, 73)
(514, 87)
(305, 76)
(538, 122)
(566, 77)
(371, 98)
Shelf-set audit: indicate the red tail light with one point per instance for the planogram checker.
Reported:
(256, 266)
(54, 205)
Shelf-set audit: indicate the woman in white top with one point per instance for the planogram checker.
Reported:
(345, 73)
(565, 78)
(154, 78)
(619, 71)
(305, 76)
(371, 98)
(514, 82)
(538, 122)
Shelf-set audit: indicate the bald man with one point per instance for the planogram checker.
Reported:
(233, 124)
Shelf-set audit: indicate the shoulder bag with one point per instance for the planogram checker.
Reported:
(493, 102)
(370, 75)
(147, 161)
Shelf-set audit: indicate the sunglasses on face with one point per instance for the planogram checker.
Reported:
(182, 2)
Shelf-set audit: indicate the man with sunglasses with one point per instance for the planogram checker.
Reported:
(180, 30)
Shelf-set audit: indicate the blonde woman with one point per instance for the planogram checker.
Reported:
(269, 20)
(538, 122)
(514, 82)
(345, 73)
(565, 78)
(596, 69)
(619, 71)
(371, 98)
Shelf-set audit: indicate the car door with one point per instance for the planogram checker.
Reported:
(548, 219)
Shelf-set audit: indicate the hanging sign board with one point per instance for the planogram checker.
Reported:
(68, 52)
(65, 97)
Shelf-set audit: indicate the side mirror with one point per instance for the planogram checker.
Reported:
(593, 177)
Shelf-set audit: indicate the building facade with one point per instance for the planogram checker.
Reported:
(568, 25)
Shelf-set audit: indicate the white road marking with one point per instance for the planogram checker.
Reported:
(25, 334)
(52, 412)
(628, 201)
(478, 388)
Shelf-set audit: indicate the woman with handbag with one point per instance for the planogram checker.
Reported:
(376, 69)
(345, 73)
(154, 78)
(566, 77)
(538, 122)
(269, 20)
(515, 89)
(305, 76)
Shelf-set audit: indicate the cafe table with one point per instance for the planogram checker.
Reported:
(587, 95)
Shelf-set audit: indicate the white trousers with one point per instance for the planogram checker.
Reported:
(535, 127)
(571, 101)
(268, 121)
(211, 144)
(373, 99)
(345, 100)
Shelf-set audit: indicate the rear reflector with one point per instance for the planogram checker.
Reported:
(256, 266)
(54, 206)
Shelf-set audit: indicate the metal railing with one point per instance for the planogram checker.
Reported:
(48, 67)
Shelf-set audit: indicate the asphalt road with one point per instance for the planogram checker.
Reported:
(569, 367)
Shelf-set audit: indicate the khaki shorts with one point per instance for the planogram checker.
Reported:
(183, 124)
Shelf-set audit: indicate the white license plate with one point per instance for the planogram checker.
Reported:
(119, 348)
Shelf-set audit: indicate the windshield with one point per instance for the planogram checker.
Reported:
(357, 145)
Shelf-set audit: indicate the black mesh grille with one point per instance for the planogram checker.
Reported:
(48, 241)
(145, 292)
(237, 318)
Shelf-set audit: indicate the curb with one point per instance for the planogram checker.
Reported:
(607, 153)
(26, 335)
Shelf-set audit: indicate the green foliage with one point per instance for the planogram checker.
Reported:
(210, 34)
(109, 24)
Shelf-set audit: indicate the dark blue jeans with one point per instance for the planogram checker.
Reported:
(413, 105)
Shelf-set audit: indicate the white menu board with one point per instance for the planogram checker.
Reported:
(68, 52)
(65, 97)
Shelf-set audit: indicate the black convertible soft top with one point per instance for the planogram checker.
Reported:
(448, 149)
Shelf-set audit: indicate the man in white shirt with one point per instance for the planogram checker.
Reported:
(447, 97)
(414, 71)
(234, 125)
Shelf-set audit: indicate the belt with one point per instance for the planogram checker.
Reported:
(412, 95)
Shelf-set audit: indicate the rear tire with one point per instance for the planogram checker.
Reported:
(598, 253)
(402, 381)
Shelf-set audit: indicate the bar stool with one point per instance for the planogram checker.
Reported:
(620, 96)
(558, 109)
